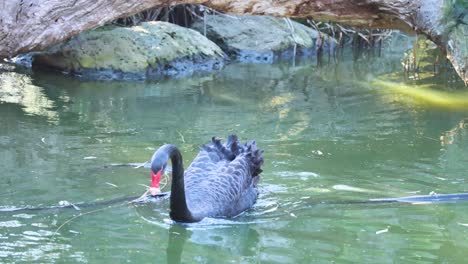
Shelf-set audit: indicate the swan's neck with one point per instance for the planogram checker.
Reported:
(179, 208)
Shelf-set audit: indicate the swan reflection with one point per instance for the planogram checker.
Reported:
(238, 239)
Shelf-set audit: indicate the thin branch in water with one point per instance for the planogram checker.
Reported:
(75, 217)
(181, 136)
(141, 165)
(111, 184)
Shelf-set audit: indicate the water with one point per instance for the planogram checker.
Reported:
(329, 134)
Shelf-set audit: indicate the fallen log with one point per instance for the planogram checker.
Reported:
(28, 25)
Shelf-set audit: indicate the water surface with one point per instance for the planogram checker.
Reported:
(329, 134)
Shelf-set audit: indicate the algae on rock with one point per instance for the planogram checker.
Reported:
(150, 50)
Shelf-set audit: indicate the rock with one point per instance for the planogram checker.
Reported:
(24, 60)
(258, 38)
(150, 50)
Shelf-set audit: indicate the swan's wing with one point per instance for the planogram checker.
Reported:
(224, 190)
(207, 161)
(221, 180)
(213, 157)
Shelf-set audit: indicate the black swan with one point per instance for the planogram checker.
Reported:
(220, 182)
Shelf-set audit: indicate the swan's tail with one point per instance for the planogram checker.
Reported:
(233, 148)
(255, 155)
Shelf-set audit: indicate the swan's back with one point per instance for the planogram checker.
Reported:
(222, 179)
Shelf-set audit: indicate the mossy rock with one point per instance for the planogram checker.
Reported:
(150, 50)
(258, 38)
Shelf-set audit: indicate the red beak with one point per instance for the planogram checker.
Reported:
(155, 179)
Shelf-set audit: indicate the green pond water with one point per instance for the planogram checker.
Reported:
(330, 134)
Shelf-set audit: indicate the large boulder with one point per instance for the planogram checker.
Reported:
(150, 50)
(258, 38)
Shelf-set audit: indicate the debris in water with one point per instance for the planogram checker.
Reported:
(89, 158)
(43, 140)
(67, 203)
(143, 198)
(381, 231)
(293, 215)
(73, 218)
(342, 187)
(462, 224)
(111, 184)
(63, 203)
(317, 152)
(143, 165)
(181, 136)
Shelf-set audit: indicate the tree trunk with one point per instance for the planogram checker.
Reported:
(28, 25)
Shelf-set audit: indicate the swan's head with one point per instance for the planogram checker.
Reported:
(158, 165)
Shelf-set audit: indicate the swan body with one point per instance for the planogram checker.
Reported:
(220, 182)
